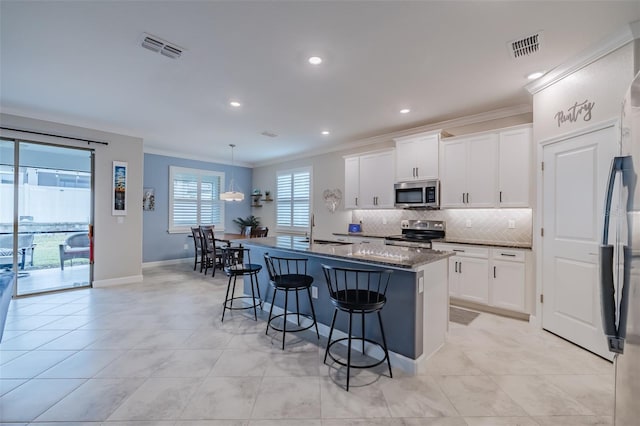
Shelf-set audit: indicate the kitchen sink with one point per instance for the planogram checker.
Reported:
(330, 242)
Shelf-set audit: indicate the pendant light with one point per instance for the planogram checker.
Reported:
(232, 194)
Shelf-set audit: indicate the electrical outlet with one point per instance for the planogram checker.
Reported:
(512, 224)
(186, 247)
(314, 292)
(384, 220)
(468, 224)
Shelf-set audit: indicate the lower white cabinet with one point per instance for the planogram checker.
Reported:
(507, 284)
(493, 277)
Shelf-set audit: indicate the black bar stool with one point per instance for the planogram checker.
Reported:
(357, 291)
(289, 274)
(237, 263)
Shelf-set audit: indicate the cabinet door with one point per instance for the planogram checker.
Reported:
(351, 182)
(377, 173)
(417, 158)
(514, 153)
(507, 285)
(406, 155)
(454, 277)
(482, 158)
(474, 279)
(453, 174)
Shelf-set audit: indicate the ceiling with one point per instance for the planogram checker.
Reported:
(81, 63)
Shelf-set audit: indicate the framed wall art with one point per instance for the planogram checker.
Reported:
(119, 205)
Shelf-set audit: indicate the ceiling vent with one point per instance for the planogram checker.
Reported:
(158, 45)
(268, 134)
(525, 46)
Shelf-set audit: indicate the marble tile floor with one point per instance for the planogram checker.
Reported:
(156, 353)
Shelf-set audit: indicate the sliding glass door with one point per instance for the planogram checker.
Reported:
(50, 217)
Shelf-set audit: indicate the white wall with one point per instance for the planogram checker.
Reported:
(603, 82)
(118, 247)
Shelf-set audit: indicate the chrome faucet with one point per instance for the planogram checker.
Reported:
(312, 223)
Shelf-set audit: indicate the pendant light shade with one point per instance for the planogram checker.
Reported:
(232, 194)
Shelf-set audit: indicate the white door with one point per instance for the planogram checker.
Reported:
(574, 180)
(514, 168)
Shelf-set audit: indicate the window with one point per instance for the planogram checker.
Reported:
(293, 199)
(194, 198)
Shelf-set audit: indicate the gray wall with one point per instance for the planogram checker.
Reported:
(158, 244)
(118, 246)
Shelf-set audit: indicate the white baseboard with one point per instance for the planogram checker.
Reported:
(117, 281)
(146, 265)
(408, 365)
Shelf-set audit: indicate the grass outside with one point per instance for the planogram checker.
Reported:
(47, 251)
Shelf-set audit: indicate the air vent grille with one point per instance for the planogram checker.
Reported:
(158, 45)
(525, 46)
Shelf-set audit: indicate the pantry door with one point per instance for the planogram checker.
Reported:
(574, 182)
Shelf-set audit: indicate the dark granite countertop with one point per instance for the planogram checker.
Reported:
(373, 253)
(361, 234)
(525, 246)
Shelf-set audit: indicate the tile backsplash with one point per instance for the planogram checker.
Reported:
(465, 225)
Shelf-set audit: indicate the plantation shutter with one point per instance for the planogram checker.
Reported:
(195, 199)
(293, 200)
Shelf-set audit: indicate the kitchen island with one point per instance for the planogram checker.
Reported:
(416, 314)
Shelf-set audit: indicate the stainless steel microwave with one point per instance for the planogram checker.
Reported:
(419, 194)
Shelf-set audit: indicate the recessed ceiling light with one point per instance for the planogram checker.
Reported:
(315, 60)
(235, 104)
(325, 132)
(535, 75)
(405, 111)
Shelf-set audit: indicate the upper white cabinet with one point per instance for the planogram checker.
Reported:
(417, 156)
(351, 182)
(369, 180)
(490, 169)
(469, 175)
(514, 167)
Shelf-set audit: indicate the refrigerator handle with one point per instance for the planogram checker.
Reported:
(615, 334)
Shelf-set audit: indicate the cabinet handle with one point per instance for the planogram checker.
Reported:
(356, 201)
(467, 198)
(460, 268)
(507, 255)
(456, 267)
(494, 272)
(417, 174)
(459, 250)
(500, 196)
(463, 198)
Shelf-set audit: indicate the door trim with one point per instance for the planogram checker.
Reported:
(536, 317)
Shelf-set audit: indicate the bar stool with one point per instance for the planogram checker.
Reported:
(287, 275)
(237, 263)
(357, 291)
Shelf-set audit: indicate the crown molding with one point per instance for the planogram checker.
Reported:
(495, 114)
(615, 41)
(175, 154)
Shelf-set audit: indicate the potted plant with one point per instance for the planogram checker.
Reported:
(247, 221)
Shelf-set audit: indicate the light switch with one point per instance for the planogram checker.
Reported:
(468, 224)
(512, 224)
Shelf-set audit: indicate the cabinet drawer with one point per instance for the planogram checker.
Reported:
(507, 254)
(463, 250)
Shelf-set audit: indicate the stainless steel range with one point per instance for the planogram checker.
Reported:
(417, 233)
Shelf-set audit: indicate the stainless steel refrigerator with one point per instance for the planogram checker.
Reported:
(620, 263)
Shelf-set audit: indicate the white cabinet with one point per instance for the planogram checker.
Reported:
(417, 157)
(493, 277)
(468, 272)
(351, 182)
(514, 171)
(369, 180)
(469, 175)
(507, 285)
(490, 169)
